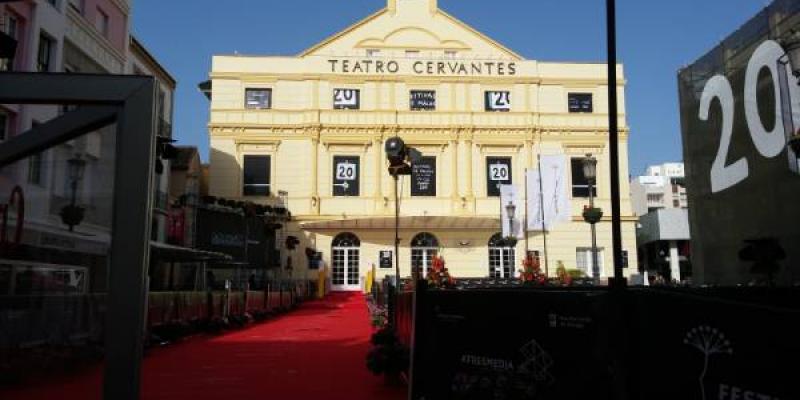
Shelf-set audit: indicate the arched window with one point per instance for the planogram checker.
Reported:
(345, 262)
(501, 257)
(346, 239)
(424, 247)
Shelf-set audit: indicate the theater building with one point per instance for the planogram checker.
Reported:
(311, 129)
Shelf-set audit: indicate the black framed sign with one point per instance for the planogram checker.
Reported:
(498, 172)
(346, 175)
(423, 177)
(498, 101)
(385, 259)
(580, 102)
(423, 100)
(346, 99)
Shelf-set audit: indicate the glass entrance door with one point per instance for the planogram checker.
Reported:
(501, 258)
(345, 274)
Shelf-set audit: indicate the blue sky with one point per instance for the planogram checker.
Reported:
(655, 38)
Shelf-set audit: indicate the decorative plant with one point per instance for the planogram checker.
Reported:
(438, 275)
(531, 273)
(388, 356)
(564, 277)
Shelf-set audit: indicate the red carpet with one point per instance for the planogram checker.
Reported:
(315, 352)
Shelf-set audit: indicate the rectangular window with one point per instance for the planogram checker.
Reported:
(624, 258)
(53, 3)
(12, 26)
(583, 261)
(498, 101)
(258, 98)
(450, 54)
(412, 53)
(45, 55)
(35, 169)
(346, 175)
(346, 99)
(373, 52)
(580, 102)
(423, 177)
(4, 122)
(580, 184)
(498, 172)
(256, 176)
(676, 203)
(422, 100)
(102, 22)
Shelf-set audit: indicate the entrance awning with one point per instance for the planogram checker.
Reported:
(414, 223)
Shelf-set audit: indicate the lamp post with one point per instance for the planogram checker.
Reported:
(511, 240)
(590, 172)
(72, 215)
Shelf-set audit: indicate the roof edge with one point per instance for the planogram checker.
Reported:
(343, 32)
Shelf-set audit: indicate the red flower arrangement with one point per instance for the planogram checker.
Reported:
(438, 276)
(531, 274)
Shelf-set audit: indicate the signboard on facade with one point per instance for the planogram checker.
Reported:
(229, 233)
(498, 101)
(422, 100)
(498, 172)
(421, 67)
(349, 99)
(386, 259)
(423, 177)
(345, 175)
(738, 105)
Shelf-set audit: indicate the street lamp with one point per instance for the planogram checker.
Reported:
(511, 210)
(592, 215)
(72, 215)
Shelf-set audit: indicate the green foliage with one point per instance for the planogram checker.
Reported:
(575, 273)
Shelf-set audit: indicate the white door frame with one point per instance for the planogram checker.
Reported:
(505, 256)
(348, 260)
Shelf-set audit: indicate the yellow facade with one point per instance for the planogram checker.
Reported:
(412, 45)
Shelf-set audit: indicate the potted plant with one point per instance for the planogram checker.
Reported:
(531, 272)
(388, 356)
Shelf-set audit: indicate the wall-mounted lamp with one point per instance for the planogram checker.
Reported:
(464, 243)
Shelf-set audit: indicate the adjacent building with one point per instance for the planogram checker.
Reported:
(662, 235)
(311, 129)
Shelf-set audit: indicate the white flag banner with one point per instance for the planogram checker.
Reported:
(551, 196)
(510, 195)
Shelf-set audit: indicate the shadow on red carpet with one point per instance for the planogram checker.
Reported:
(315, 352)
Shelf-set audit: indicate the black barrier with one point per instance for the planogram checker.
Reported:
(700, 347)
(511, 344)
(592, 343)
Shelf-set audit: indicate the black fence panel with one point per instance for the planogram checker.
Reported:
(512, 344)
(701, 347)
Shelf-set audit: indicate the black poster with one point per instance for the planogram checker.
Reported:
(227, 232)
(386, 259)
(738, 108)
(423, 100)
(580, 102)
(498, 172)
(346, 175)
(423, 177)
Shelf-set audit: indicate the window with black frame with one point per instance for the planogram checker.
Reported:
(45, 54)
(580, 184)
(498, 172)
(346, 180)
(256, 180)
(580, 102)
(258, 98)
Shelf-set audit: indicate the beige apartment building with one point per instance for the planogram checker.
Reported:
(310, 130)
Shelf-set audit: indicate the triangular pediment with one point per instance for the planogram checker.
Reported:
(411, 25)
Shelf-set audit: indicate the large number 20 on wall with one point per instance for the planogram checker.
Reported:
(736, 115)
